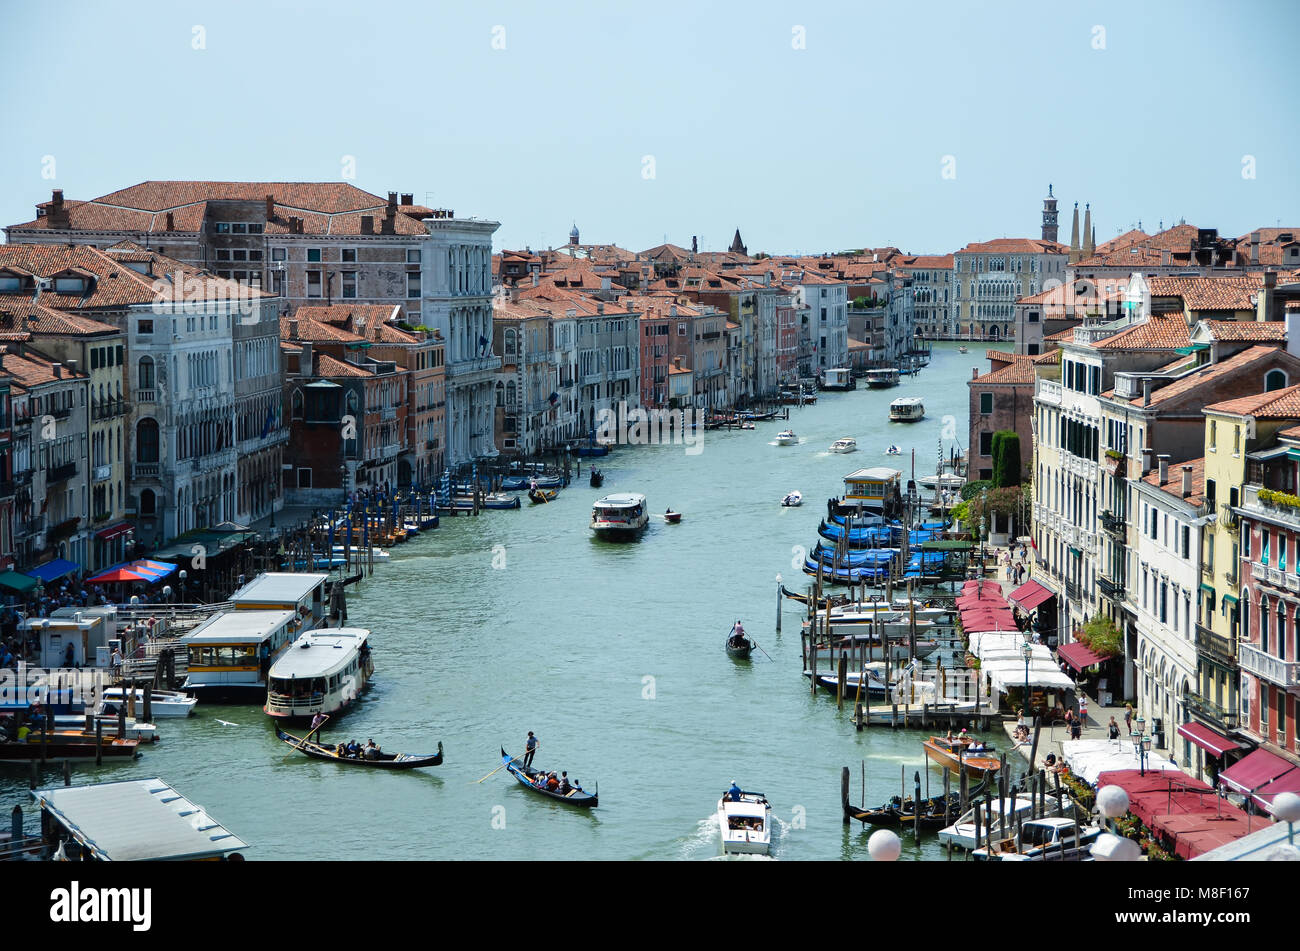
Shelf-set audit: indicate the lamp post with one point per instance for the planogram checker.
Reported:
(1286, 807)
(167, 593)
(1027, 652)
(182, 575)
(1112, 802)
(884, 846)
(1146, 748)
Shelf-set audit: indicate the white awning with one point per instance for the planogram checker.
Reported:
(1088, 759)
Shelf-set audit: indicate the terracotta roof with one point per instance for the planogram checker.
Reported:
(1236, 364)
(1242, 330)
(1209, 293)
(328, 366)
(1174, 484)
(1016, 372)
(22, 315)
(1125, 240)
(1275, 404)
(1291, 432)
(1048, 358)
(34, 369)
(929, 261)
(1155, 333)
(1015, 246)
(371, 321)
(304, 328)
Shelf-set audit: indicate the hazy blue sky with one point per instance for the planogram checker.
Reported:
(1148, 110)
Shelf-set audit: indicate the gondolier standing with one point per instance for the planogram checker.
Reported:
(530, 748)
(317, 722)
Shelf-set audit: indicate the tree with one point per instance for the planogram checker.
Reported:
(1006, 458)
(972, 489)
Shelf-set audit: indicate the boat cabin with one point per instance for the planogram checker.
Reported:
(136, 820)
(838, 378)
(230, 653)
(907, 409)
(876, 488)
(302, 593)
(623, 512)
(882, 377)
(323, 672)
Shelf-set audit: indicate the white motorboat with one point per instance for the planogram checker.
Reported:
(1041, 840)
(745, 823)
(786, 437)
(618, 515)
(894, 451)
(356, 551)
(793, 499)
(962, 832)
(162, 703)
(135, 729)
(907, 409)
(847, 444)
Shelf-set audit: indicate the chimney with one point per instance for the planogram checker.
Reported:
(270, 207)
(1187, 481)
(600, 307)
(1254, 247)
(171, 221)
(1146, 392)
(672, 311)
(677, 362)
(974, 373)
(58, 213)
(305, 367)
(1146, 460)
(392, 202)
(293, 328)
(408, 199)
(56, 369)
(1164, 467)
(72, 367)
(1166, 257)
(367, 224)
(534, 278)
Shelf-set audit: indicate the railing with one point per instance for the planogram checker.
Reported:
(1221, 648)
(1284, 673)
(388, 413)
(1112, 590)
(1048, 391)
(146, 396)
(61, 473)
(1231, 578)
(108, 409)
(284, 701)
(1207, 709)
(1113, 524)
(145, 470)
(1073, 591)
(1274, 512)
(62, 413)
(1227, 517)
(472, 365)
(102, 473)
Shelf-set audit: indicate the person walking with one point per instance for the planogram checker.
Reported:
(1112, 729)
(530, 748)
(1128, 717)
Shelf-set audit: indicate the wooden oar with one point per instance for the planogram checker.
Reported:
(499, 768)
(307, 738)
(765, 653)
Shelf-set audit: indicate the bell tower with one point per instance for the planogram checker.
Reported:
(1049, 216)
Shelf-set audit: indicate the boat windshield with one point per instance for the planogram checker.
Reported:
(1035, 834)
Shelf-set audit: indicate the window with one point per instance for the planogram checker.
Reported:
(144, 328)
(313, 283)
(277, 254)
(986, 444)
(348, 255)
(223, 254)
(413, 257)
(238, 227)
(986, 403)
(223, 227)
(313, 255)
(1274, 380)
(413, 284)
(1214, 433)
(349, 284)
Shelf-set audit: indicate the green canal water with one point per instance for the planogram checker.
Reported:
(611, 653)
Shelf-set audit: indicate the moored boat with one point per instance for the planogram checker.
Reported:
(323, 672)
(957, 755)
(162, 703)
(745, 822)
(1041, 840)
(536, 780)
(839, 378)
(66, 744)
(379, 760)
(961, 833)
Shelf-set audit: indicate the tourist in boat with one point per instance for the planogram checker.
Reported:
(565, 785)
(552, 782)
(734, 792)
(530, 749)
(371, 751)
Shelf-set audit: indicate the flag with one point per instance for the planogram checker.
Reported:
(554, 398)
(270, 420)
(483, 343)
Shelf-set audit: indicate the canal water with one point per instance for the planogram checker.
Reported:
(611, 653)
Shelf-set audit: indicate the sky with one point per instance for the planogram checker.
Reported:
(810, 127)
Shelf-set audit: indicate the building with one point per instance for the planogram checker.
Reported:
(1003, 400)
(526, 389)
(990, 276)
(932, 295)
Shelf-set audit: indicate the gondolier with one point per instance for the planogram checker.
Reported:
(530, 748)
(317, 722)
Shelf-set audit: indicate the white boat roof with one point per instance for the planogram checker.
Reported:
(238, 627)
(278, 587)
(745, 808)
(137, 820)
(319, 653)
(622, 498)
(907, 401)
(874, 474)
(846, 439)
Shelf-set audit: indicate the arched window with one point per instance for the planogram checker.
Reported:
(146, 440)
(1274, 380)
(510, 395)
(501, 394)
(297, 404)
(146, 373)
(1263, 624)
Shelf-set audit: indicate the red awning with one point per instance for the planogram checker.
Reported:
(1261, 768)
(1079, 656)
(1207, 739)
(1196, 834)
(1287, 782)
(113, 531)
(1030, 595)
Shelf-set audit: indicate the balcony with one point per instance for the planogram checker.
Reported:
(1273, 512)
(64, 529)
(1209, 711)
(1273, 577)
(1282, 673)
(146, 396)
(64, 413)
(1049, 392)
(388, 413)
(1216, 646)
(1073, 591)
(61, 473)
(1114, 525)
(461, 368)
(1231, 578)
(108, 409)
(1111, 590)
(1228, 518)
(145, 470)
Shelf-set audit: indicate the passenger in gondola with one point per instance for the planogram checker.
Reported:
(553, 782)
(565, 786)
(371, 751)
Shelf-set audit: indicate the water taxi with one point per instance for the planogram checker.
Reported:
(1040, 840)
(882, 377)
(786, 437)
(619, 515)
(162, 703)
(300, 592)
(907, 409)
(957, 755)
(230, 653)
(962, 832)
(323, 672)
(847, 444)
(745, 822)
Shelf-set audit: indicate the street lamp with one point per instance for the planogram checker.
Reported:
(182, 575)
(167, 593)
(884, 846)
(1112, 802)
(1146, 748)
(1286, 808)
(1027, 652)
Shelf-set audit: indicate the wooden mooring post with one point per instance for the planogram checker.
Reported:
(844, 793)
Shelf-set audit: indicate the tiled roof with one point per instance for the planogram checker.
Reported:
(941, 262)
(33, 369)
(328, 366)
(1127, 239)
(22, 315)
(1236, 364)
(1155, 333)
(1275, 404)
(370, 321)
(1016, 372)
(1015, 246)
(1241, 330)
(304, 328)
(1174, 484)
(1209, 293)
(1048, 358)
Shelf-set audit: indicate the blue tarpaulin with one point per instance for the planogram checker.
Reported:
(54, 570)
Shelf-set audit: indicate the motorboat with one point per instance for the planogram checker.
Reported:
(162, 703)
(907, 409)
(962, 832)
(962, 754)
(745, 821)
(963, 349)
(847, 444)
(135, 729)
(324, 671)
(870, 681)
(672, 518)
(377, 555)
(499, 500)
(839, 378)
(786, 437)
(894, 451)
(620, 515)
(1040, 840)
(793, 499)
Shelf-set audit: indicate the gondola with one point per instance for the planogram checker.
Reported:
(740, 652)
(885, 815)
(932, 814)
(539, 497)
(527, 776)
(382, 761)
(597, 478)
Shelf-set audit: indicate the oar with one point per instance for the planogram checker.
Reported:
(499, 768)
(307, 738)
(765, 653)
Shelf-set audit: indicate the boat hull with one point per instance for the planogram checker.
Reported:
(975, 765)
(525, 776)
(386, 760)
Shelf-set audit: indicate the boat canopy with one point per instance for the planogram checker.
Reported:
(319, 653)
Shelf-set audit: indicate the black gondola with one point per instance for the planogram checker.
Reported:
(529, 777)
(541, 497)
(597, 478)
(380, 761)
